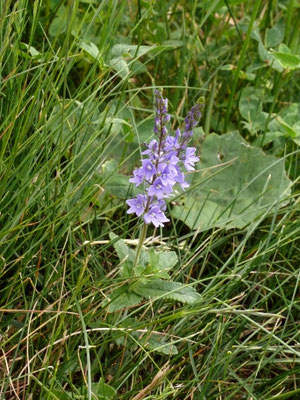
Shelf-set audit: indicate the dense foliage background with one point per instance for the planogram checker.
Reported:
(77, 80)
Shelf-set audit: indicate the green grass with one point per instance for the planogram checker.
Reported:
(72, 116)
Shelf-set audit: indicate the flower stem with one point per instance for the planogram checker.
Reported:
(142, 238)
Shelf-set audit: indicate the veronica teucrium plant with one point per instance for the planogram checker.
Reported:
(165, 162)
(166, 159)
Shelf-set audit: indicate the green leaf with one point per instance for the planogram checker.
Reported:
(275, 35)
(119, 64)
(234, 194)
(60, 22)
(155, 264)
(283, 48)
(268, 58)
(109, 167)
(129, 50)
(287, 128)
(167, 290)
(33, 52)
(128, 132)
(286, 60)
(118, 185)
(100, 390)
(296, 128)
(161, 262)
(121, 298)
(292, 131)
(145, 130)
(291, 113)
(123, 55)
(250, 104)
(103, 391)
(120, 125)
(92, 50)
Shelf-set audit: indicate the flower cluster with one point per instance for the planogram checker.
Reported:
(162, 166)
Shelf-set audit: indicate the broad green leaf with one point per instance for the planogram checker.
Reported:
(60, 22)
(287, 128)
(137, 67)
(155, 263)
(236, 183)
(286, 60)
(120, 125)
(121, 298)
(33, 52)
(100, 390)
(257, 124)
(92, 50)
(129, 50)
(286, 124)
(164, 260)
(121, 54)
(283, 48)
(119, 64)
(268, 58)
(275, 35)
(122, 57)
(255, 34)
(167, 290)
(161, 262)
(291, 113)
(270, 136)
(103, 391)
(291, 131)
(121, 248)
(247, 76)
(118, 185)
(296, 128)
(145, 131)
(250, 104)
(109, 167)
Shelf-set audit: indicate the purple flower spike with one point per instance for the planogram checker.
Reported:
(192, 119)
(162, 166)
(162, 116)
